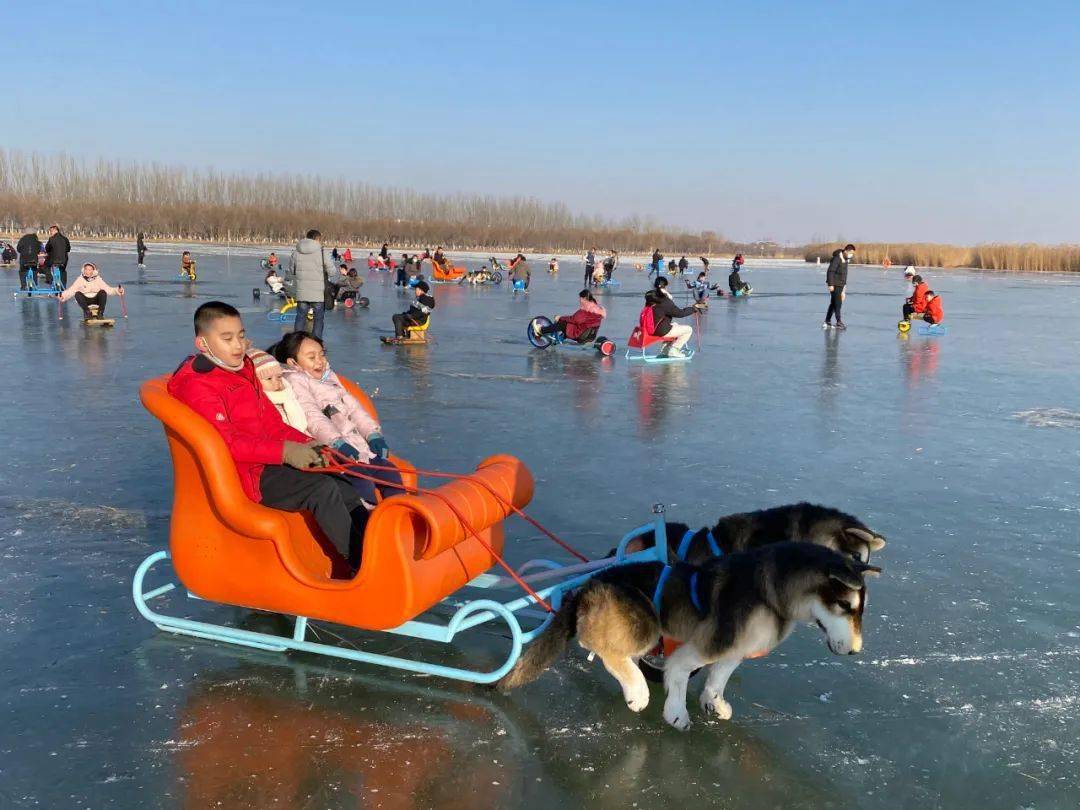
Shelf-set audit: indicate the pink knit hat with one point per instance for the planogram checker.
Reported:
(262, 360)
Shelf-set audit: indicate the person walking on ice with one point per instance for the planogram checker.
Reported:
(836, 280)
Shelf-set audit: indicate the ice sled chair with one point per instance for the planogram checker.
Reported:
(228, 549)
(641, 338)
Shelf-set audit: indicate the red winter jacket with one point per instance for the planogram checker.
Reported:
(235, 404)
(934, 312)
(588, 317)
(918, 297)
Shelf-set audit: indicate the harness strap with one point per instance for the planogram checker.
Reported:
(684, 544)
(694, 592)
(660, 583)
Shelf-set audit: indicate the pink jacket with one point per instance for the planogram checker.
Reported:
(592, 308)
(88, 287)
(332, 412)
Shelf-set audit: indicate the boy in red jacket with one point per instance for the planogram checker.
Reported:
(219, 383)
(934, 312)
(915, 306)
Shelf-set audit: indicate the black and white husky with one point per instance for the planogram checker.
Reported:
(736, 606)
(797, 522)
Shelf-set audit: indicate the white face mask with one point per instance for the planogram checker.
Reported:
(218, 361)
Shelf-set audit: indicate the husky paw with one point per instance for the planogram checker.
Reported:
(715, 704)
(637, 697)
(677, 717)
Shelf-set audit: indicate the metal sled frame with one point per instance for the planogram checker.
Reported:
(468, 613)
(931, 329)
(31, 285)
(285, 313)
(638, 353)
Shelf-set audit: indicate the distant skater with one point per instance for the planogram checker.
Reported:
(140, 247)
(657, 258)
(836, 280)
(590, 267)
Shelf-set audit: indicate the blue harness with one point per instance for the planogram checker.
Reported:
(680, 555)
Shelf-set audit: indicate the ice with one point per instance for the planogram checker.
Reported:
(964, 697)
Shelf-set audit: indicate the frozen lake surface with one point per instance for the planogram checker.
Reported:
(962, 450)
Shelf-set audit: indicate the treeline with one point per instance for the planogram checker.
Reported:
(1027, 257)
(110, 200)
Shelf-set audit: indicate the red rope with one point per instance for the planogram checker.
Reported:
(509, 505)
(340, 468)
(343, 459)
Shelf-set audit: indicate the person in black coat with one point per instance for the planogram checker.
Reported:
(28, 248)
(140, 247)
(836, 279)
(657, 257)
(664, 311)
(58, 248)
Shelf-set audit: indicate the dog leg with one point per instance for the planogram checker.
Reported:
(712, 696)
(677, 673)
(635, 688)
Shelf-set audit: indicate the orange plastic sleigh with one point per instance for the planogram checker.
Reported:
(424, 550)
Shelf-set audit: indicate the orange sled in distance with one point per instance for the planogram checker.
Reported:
(446, 272)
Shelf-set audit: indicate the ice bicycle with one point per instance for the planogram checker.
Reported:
(422, 556)
(590, 339)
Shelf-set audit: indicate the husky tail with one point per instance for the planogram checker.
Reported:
(546, 649)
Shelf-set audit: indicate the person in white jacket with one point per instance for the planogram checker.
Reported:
(90, 289)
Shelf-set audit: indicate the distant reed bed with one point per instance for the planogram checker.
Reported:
(115, 200)
(1026, 257)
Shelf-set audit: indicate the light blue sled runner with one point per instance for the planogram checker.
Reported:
(468, 613)
(32, 290)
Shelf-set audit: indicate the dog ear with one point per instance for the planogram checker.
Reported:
(874, 541)
(847, 578)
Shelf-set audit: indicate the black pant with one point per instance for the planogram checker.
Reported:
(25, 268)
(551, 329)
(589, 268)
(331, 500)
(909, 313)
(402, 320)
(85, 302)
(389, 478)
(836, 300)
(142, 255)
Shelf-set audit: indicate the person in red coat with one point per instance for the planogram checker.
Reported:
(915, 306)
(219, 383)
(582, 325)
(934, 312)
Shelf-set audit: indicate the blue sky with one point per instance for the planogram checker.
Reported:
(951, 121)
